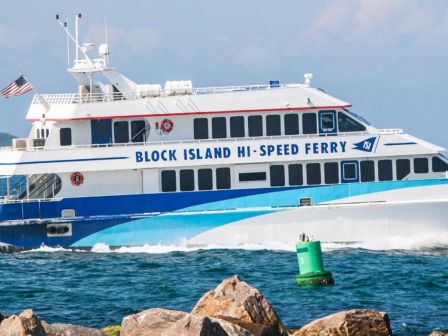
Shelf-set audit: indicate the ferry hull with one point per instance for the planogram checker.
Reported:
(369, 223)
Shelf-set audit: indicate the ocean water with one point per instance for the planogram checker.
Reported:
(99, 287)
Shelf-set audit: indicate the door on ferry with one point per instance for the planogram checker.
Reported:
(101, 131)
(327, 122)
(349, 171)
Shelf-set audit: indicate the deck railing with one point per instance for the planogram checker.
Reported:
(75, 98)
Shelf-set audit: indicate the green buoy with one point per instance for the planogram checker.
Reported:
(311, 264)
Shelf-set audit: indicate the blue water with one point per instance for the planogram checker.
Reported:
(98, 289)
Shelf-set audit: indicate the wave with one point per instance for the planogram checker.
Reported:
(425, 243)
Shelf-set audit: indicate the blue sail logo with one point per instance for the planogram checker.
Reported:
(365, 145)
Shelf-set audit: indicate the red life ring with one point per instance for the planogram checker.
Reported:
(166, 126)
(77, 179)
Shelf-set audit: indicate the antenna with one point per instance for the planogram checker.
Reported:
(107, 41)
(78, 47)
(78, 16)
(68, 45)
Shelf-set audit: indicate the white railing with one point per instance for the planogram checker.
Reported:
(193, 141)
(75, 98)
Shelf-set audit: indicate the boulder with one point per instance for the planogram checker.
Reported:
(2, 317)
(194, 325)
(235, 298)
(62, 329)
(150, 322)
(438, 333)
(254, 328)
(27, 323)
(359, 322)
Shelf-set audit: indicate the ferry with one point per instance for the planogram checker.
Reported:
(128, 164)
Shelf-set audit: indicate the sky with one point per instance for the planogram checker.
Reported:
(386, 57)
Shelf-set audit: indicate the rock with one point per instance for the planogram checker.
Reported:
(150, 322)
(235, 298)
(254, 328)
(194, 325)
(27, 323)
(438, 333)
(359, 322)
(62, 329)
(2, 317)
(112, 330)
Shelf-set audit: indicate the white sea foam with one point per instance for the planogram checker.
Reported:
(424, 242)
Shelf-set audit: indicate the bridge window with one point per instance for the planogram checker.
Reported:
(138, 131)
(438, 165)
(313, 175)
(200, 128)
(385, 170)
(331, 172)
(219, 128)
(237, 127)
(223, 178)
(250, 177)
(255, 125)
(367, 171)
(295, 173)
(121, 132)
(421, 166)
(168, 180)
(186, 180)
(403, 168)
(273, 125)
(309, 123)
(65, 136)
(347, 124)
(291, 123)
(277, 173)
(205, 179)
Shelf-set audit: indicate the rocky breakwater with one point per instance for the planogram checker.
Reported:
(234, 308)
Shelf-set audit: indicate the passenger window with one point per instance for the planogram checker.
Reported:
(295, 174)
(385, 170)
(186, 177)
(205, 179)
(121, 132)
(138, 131)
(168, 180)
(65, 136)
(327, 121)
(438, 165)
(219, 128)
(403, 168)
(309, 123)
(277, 173)
(347, 124)
(273, 125)
(223, 178)
(313, 175)
(367, 171)
(237, 127)
(255, 125)
(200, 128)
(421, 166)
(250, 177)
(331, 170)
(291, 123)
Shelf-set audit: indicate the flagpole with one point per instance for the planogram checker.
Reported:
(39, 96)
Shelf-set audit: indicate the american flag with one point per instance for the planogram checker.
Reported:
(17, 88)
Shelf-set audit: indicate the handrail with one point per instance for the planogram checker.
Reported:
(193, 141)
(75, 98)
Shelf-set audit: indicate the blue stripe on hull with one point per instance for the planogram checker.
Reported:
(173, 226)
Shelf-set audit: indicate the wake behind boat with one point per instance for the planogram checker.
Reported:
(125, 164)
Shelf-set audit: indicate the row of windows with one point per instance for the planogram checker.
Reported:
(297, 174)
(187, 178)
(271, 125)
(125, 131)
